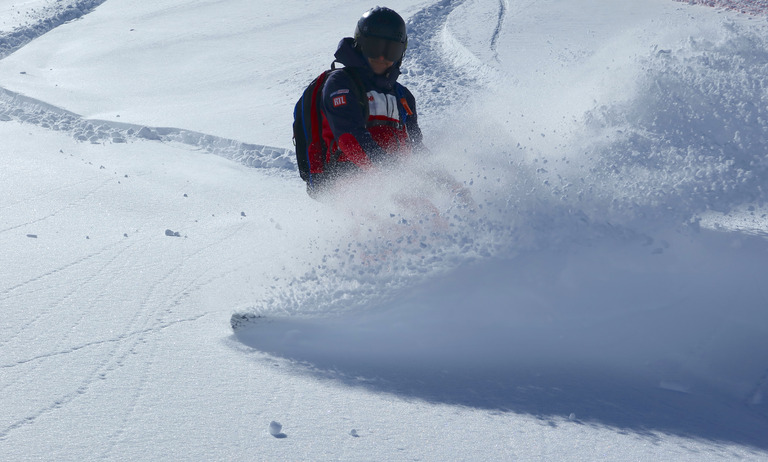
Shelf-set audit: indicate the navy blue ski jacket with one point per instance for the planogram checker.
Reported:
(391, 127)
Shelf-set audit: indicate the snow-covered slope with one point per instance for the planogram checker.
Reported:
(599, 295)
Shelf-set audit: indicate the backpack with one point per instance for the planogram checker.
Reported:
(312, 153)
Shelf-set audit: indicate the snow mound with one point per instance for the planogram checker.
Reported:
(693, 137)
(14, 106)
(41, 20)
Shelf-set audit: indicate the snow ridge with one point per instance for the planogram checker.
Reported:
(425, 68)
(14, 106)
(52, 17)
(503, 7)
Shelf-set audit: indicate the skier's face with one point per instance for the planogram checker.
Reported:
(380, 64)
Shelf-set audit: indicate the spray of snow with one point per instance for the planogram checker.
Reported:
(594, 216)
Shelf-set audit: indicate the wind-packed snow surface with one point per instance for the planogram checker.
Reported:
(575, 272)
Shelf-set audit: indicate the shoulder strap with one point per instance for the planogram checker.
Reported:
(316, 115)
(359, 89)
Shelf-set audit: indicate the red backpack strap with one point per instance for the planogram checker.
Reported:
(315, 119)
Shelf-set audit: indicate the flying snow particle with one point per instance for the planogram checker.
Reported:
(276, 429)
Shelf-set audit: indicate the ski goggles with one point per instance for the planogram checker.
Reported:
(373, 47)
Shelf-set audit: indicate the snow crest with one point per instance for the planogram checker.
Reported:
(49, 17)
(14, 106)
(756, 7)
(693, 138)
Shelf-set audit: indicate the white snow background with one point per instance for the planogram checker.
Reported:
(602, 296)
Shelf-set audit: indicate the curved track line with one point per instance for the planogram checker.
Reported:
(82, 389)
(154, 313)
(438, 66)
(62, 208)
(53, 18)
(76, 348)
(14, 106)
(503, 6)
(426, 69)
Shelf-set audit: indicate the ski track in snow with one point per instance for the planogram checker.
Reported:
(73, 280)
(38, 284)
(426, 69)
(48, 18)
(503, 7)
(28, 110)
(17, 107)
(153, 314)
(64, 286)
(59, 210)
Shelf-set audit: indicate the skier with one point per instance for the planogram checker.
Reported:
(389, 127)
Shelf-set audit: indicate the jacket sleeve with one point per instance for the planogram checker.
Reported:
(347, 121)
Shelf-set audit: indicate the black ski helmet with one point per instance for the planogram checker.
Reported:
(381, 32)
